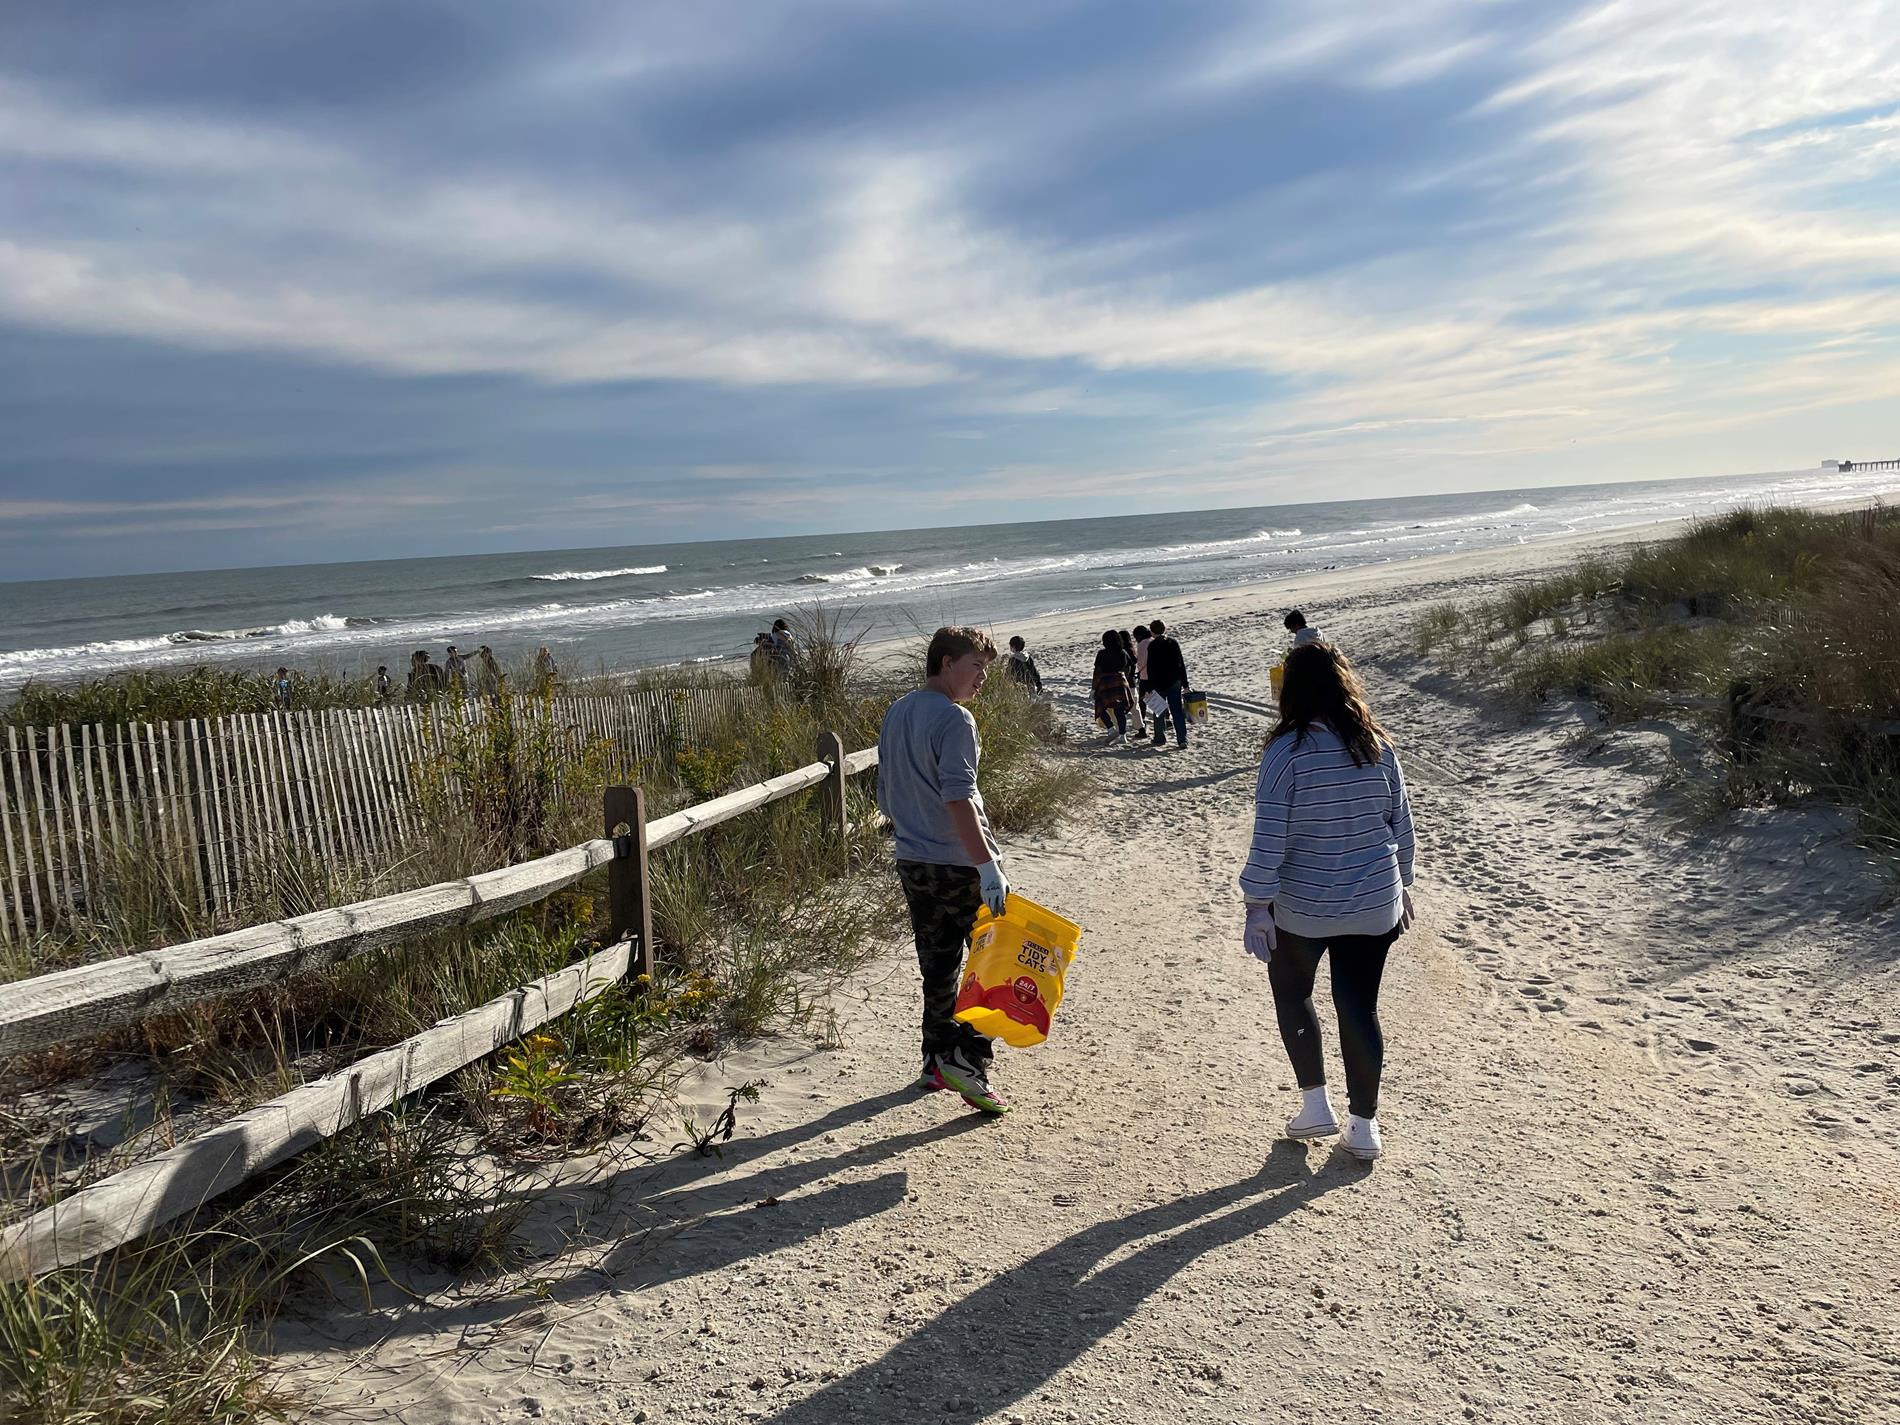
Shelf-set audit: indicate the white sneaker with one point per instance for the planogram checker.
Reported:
(1362, 1137)
(1313, 1121)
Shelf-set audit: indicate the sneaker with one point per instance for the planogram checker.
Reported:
(957, 1072)
(1315, 1122)
(1362, 1137)
(927, 1080)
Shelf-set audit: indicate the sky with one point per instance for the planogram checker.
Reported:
(353, 279)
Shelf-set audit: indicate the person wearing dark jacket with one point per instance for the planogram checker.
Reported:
(1020, 663)
(1168, 675)
(1112, 693)
(1131, 667)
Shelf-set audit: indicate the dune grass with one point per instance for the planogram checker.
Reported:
(210, 690)
(1778, 628)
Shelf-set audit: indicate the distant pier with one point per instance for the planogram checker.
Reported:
(1846, 465)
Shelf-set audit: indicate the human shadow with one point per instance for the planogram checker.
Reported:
(672, 1203)
(1182, 784)
(1218, 701)
(1013, 1334)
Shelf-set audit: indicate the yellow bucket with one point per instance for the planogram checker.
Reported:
(1277, 676)
(1013, 981)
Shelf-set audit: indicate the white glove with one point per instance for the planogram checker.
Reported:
(995, 886)
(1406, 914)
(1261, 937)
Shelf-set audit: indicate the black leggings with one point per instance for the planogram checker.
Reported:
(1358, 964)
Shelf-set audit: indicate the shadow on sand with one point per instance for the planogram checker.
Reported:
(1012, 1335)
(666, 1206)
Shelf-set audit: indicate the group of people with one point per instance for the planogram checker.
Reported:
(773, 652)
(1329, 867)
(429, 680)
(453, 677)
(1141, 674)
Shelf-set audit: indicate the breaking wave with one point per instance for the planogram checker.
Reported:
(566, 575)
(851, 576)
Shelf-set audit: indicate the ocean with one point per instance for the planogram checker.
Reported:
(668, 603)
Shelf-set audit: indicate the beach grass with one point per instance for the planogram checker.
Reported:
(212, 690)
(1779, 629)
(754, 921)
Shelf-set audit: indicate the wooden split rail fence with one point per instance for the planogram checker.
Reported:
(215, 800)
(89, 999)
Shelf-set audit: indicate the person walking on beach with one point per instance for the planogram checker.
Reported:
(1167, 673)
(455, 670)
(1021, 665)
(487, 673)
(1110, 683)
(1329, 871)
(544, 671)
(1143, 686)
(385, 685)
(425, 678)
(947, 859)
(783, 650)
(1131, 669)
(280, 689)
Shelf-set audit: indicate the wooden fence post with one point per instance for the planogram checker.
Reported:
(831, 793)
(629, 889)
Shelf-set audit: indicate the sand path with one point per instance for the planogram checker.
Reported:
(1643, 1150)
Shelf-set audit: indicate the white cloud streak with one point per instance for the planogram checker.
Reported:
(1700, 255)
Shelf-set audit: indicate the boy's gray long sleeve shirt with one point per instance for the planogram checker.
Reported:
(927, 757)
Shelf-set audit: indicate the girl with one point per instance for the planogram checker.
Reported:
(1111, 686)
(1330, 870)
(1131, 669)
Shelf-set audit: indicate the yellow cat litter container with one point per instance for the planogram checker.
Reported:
(1277, 676)
(1195, 706)
(1013, 981)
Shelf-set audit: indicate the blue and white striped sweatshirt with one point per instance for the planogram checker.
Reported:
(1332, 842)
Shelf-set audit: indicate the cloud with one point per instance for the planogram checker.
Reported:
(721, 254)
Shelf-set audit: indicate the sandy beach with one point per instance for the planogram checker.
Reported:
(1642, 1117)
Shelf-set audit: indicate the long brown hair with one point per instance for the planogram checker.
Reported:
(1320, 686)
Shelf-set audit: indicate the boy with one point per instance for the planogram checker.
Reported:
(1022, 665)
(1167, 673)
(1296, 625)
(946, 857)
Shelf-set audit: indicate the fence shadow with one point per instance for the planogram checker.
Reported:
(671, 1239)
(1008, 1338)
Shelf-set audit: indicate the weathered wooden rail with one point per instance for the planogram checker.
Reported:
(89, 999)
(214, 800)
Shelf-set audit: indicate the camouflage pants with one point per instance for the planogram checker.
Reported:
(943, 901)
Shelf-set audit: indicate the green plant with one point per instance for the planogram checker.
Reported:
(502, 767)
(531, 1073)
(708, 1138)
(710, 771)
(158, 1333)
